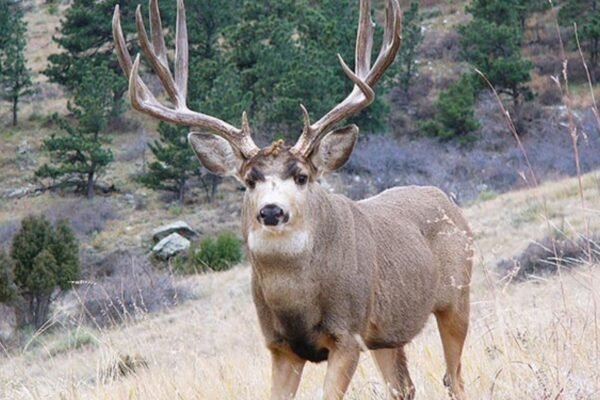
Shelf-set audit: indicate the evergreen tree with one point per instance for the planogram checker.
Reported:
(492, 43)
(45, 259)
(79, 156)
(412, 36)
(527, 7)
(15, 77)
(586, 14)
(8, 289)
(64, 250)
(85, 36)
(175, 162)
(454, 116)
(285, 54)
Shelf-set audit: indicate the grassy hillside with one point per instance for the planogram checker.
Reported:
(532, 340)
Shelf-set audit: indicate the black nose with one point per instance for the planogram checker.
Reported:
(272, 215)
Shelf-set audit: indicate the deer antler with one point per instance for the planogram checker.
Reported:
(364, 77)
(143, 100)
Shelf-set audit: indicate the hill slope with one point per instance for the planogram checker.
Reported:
(537, 339)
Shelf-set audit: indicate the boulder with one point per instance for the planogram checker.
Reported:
(178, 227)
(171, 246)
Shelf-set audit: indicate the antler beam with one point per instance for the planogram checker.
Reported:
(364, 76)
(155, 51)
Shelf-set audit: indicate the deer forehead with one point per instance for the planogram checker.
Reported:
(282, 166)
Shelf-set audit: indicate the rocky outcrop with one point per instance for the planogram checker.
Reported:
(179, 227)
(170, 246)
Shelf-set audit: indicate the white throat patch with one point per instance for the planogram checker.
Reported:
(264, 241)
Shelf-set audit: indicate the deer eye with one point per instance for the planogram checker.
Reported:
(251, 183)
(301, 179)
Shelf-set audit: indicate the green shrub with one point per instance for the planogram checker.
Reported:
(46, 258)
(218, 254)
(455, 116)
(52, 9)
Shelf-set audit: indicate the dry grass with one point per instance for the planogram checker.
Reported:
(533, 340)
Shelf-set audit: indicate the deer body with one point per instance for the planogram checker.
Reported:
(379, 269)
(329, 275)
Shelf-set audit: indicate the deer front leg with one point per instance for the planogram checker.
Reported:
(341, 364)
(286, 373)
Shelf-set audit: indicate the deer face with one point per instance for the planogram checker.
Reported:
(278, 181)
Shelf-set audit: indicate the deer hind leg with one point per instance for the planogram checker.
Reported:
(393, 367)
(453, 325)
(286, 373)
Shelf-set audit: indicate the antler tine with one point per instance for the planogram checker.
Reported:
(181, 51)
(364, 40)
(156, 31)
(160, 66)
(392, 40)
(120, 44)
(364, 77)
(142, 98)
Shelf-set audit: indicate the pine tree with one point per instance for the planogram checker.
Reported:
(80, 155)
(285, 54)
(41, 282)
(586, 14)
(15, 77)
(176, 165)
(455, 117)
(175, 162)
(64, 250)
(491, 42)
(412, 36)
(85, 38)
(46, 259)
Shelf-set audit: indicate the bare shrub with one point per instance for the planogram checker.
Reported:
(86, 217)
(379, 158)
(576, 70)
(122, 366)
(525, 116)
(549, 254)
(8, 230)
(547, 63)
(550, 95)
(431, 3)
(546, 35)
(134, 149)
(440, 45)
(123, 124)
(123, 285)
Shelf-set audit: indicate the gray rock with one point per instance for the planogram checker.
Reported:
(179, 227)
(24, 147)
(18, 193)
(171, 246)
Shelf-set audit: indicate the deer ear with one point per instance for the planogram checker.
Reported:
(216, 154)
(334, 149)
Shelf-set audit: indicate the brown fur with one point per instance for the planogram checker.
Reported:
(377, 268)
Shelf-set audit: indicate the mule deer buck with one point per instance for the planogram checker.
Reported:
(329, 275)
